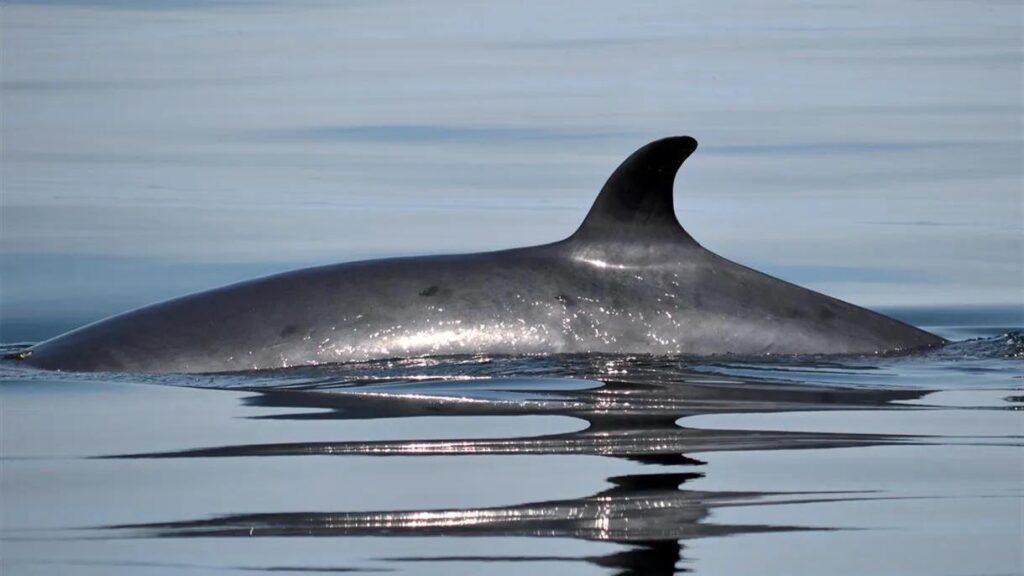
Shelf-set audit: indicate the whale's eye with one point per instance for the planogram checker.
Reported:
(429, 291)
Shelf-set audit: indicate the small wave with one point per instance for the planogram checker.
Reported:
(1008, 346)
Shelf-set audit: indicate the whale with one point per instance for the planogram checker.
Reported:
(629, 280)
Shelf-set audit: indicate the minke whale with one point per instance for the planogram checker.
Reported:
(629, 280)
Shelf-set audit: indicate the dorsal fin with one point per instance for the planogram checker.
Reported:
(636, 201)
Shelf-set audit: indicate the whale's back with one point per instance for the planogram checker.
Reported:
(629, 280)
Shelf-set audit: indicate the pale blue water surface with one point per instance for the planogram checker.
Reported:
(870, 150)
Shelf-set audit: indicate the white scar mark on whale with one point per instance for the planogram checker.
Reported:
(602, 264)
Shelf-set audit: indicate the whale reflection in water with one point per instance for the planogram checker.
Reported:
(632, 413)
(648, 513)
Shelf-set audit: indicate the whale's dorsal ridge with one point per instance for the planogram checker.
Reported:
(635, 203)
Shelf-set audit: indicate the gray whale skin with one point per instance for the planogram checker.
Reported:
(629, 280)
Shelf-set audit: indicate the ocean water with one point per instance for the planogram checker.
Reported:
(872, 151)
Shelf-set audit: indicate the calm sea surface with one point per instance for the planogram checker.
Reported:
(869, 150)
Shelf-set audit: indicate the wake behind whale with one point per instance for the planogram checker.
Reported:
(629, 280)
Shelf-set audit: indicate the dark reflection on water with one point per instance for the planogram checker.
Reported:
(634, 420)
(633, 416)
(648, 512)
